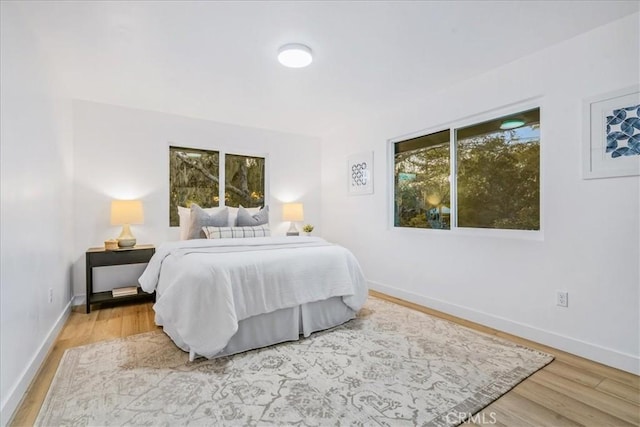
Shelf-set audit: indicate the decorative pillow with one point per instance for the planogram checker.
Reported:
(233, 214)
(184, 217)
(199, 218)
(246, 219)
(236, 232)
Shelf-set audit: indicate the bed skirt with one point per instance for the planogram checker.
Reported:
(282, 325)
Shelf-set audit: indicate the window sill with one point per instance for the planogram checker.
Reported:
(535, 235)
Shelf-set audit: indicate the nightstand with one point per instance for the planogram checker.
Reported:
(100, 257)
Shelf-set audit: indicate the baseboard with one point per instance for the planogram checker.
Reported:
(15, 395)
(78, 299)
(606, 356)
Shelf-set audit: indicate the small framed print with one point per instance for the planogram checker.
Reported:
(611, 146)
(360, 173)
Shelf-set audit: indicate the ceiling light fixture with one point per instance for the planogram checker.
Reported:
(295, 55)
(511, 124)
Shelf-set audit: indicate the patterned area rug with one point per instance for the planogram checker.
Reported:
(391, 366)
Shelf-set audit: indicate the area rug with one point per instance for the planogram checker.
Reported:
(391, 366)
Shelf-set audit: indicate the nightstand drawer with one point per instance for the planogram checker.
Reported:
(99, 259)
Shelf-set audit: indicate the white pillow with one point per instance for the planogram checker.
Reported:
(184, 215)
(233, 215)
(236, 232)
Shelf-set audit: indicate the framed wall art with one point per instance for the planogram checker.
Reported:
(360, 173)
(611, 146)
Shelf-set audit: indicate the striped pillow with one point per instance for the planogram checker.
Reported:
(236, 232)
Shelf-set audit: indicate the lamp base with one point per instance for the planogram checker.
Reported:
(126, 243)
(293, 231)
(126, 239)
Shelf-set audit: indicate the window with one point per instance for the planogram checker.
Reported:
(422, 185)
(195, 177)
(496, 179)
(244, 181)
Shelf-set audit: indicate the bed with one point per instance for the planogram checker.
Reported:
(216, 297)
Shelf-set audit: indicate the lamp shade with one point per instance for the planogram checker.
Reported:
(292, 212)
(126, 212)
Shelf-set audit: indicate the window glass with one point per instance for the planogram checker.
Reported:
(422, 187)
(498, 173)
(193, 178)
(244, 181)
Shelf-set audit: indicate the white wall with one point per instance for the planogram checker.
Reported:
(591, 244)
(35, 221)
(124, 153)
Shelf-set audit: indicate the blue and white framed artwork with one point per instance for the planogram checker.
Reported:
(612, 134)
(360, 173)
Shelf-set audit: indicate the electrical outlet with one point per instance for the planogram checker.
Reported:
(562, 299)
(50, 295)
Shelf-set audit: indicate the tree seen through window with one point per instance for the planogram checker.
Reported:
(194, 177)
(497, 176)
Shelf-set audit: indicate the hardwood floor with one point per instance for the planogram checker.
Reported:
(570, 391)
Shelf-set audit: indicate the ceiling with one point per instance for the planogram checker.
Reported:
(217, 60)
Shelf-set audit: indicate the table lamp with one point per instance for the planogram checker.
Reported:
(293, 212)
(126, 212)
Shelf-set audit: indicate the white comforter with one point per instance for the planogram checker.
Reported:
(204, 287)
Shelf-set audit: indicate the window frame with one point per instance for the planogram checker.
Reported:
(475, 119)
(222, 152)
